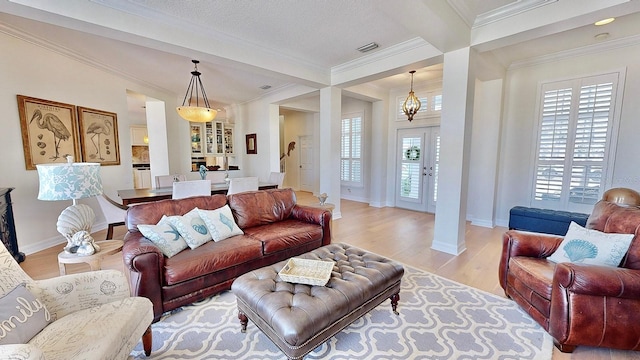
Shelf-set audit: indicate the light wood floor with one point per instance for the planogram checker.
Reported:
(402, 235)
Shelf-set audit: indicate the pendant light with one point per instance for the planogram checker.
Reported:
(196, 113)
(412, 103)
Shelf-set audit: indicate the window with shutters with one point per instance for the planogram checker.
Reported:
(351, 150)
(575, 130)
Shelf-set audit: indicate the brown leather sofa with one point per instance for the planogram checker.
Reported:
(275, 228)
(578, 304)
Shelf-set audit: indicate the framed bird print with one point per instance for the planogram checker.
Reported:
(49, 131)
(98, 136)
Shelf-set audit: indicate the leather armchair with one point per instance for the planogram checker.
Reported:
(578, 304)
(94, 317)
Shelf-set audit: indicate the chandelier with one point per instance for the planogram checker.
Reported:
(412, 103)
(196, 113)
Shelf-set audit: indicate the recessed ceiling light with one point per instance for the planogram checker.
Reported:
(368, 47)
(265, 87)
(601, 36)
(604, 22)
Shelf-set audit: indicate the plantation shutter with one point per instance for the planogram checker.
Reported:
(351, 150)
(575, 127)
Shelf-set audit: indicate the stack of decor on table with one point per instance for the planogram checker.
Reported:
(181, 251)
(584, 289)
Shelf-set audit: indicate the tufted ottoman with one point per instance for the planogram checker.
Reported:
(297, 317)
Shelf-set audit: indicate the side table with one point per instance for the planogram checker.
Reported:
(107, 247)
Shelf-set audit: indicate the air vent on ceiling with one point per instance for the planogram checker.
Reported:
(368, 47)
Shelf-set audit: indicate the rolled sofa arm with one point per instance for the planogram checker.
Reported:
(145, 262)
(67, 294)
(524, 243)
(595, 280)
(315, 215)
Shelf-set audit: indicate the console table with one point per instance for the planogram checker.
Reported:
(8, 226)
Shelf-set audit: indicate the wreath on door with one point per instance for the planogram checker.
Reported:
(412, 153)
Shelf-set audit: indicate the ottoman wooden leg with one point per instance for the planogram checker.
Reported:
(243, 321)
(394, 303)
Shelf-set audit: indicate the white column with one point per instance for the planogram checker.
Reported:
(158, 144)
(329, 167)
(455, 137)
(378, 151)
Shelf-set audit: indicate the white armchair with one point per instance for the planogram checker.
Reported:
(93, 316)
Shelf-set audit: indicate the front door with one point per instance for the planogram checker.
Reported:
(417, 172)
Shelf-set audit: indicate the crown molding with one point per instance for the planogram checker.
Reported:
(508, 10)
(66, 52)
(581, 51)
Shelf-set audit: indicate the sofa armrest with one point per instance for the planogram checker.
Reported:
(315, 215)
(145, 262)
(21, 351)
(523, 243)
(597, 280)
(70, 293)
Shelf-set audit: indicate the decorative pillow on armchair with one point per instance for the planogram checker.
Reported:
(22, 316)
(585, 246)
(220, 223)
(192, 228)
(165, 236)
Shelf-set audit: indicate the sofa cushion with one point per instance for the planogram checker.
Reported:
(593, 247)
(220, 223)
(210, 258)
(257, 208)
(165, 236)
(285, 234)
(192, 228)
(22, 316)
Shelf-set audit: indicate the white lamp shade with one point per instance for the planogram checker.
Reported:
(69, 181)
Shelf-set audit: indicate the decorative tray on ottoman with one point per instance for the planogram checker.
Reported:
(306, 271)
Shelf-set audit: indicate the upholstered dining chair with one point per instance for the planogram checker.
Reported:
(183, 189)
(276, 178)
(113, 212)
(242, 184)
(167, 180)
(216, 177)
(76, 316)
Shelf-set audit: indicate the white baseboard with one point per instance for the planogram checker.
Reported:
(55, 241)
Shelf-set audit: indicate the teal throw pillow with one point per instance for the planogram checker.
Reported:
(22, 316)
(585, 246)
(165, 236)
(220, 223)
(192, 228)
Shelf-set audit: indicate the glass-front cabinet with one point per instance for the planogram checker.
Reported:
(211, 139)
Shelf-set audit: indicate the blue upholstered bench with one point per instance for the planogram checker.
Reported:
(544, 220)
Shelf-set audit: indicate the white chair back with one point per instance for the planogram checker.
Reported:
(114, 213)
(276, 178)
(183, 189)
(167, 180)
(237, 185)
(216, 177)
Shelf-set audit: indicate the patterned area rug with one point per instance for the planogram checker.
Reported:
(439, 319)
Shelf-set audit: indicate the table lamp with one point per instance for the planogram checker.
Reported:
(72, 181)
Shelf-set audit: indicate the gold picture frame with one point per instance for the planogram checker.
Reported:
(98, 136)
(49, 131)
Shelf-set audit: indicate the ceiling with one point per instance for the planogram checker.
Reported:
(246, 44)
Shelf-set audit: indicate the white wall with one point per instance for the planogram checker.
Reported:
(30, 70)
(519, 123)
